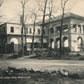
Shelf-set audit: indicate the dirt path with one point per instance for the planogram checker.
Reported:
(71, 65)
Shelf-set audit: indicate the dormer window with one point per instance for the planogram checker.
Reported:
(12, 29)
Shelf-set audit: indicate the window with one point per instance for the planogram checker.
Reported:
(51, 30)
(27, 30)
(30, 31)
(38, 31)
(35, 45)
(79, 26)
(12, 29)
(45, 45)
(43, 31)
(4, 29)
(65, 28)
(74, 26)
(83, 28)
(58, 29)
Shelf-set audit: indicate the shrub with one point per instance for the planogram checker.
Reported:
(65, 50)
(74, 76)
(41, 53)
(81, 58)
(78, 54)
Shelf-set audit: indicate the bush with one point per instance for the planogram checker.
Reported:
(81, 58)
(65, 50)
(78, 54)
(74, 76)
(41, 53)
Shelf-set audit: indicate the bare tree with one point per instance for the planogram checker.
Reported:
(34, 16)
(43, 22)
(50, 14)
(23, 29)
(63, 4)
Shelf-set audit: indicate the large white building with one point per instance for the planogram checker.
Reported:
(72, 35)
(10, 37)
(72, 32)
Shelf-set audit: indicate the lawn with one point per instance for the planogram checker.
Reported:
(40, 77)
(73, 66)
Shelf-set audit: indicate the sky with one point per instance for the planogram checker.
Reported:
(11, 9)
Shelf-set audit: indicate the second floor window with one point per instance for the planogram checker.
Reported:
(43, 31)
(38, 31)
(83, 28)
(79, 26)
(30, 30)
(65, 28)
(51, 30)
(26, 30)
(58, 29)
(12, 29)
(75, 26)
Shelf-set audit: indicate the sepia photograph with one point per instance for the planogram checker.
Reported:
(41, 41)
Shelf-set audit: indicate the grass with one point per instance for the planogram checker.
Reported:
(38, 77)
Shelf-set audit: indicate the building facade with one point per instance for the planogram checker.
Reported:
(10, 37)
(72, 34)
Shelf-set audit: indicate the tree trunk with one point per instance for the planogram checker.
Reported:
(61, 33)
(33, 36)
(22, 50)
(43, 24)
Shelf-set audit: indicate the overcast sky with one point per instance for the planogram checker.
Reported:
(11, 9)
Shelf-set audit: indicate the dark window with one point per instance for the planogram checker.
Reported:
(74, 25)
(4, 29)
(43, 31)
(12, 29)
(65, 28)
(38, 31)
(83, 28)
(79, 26)
(29, 45)
(30, 31)
(51, 30)
(36, 45)
(45, 45)
(58, 29)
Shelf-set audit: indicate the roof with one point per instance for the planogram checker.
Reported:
(66, 15)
